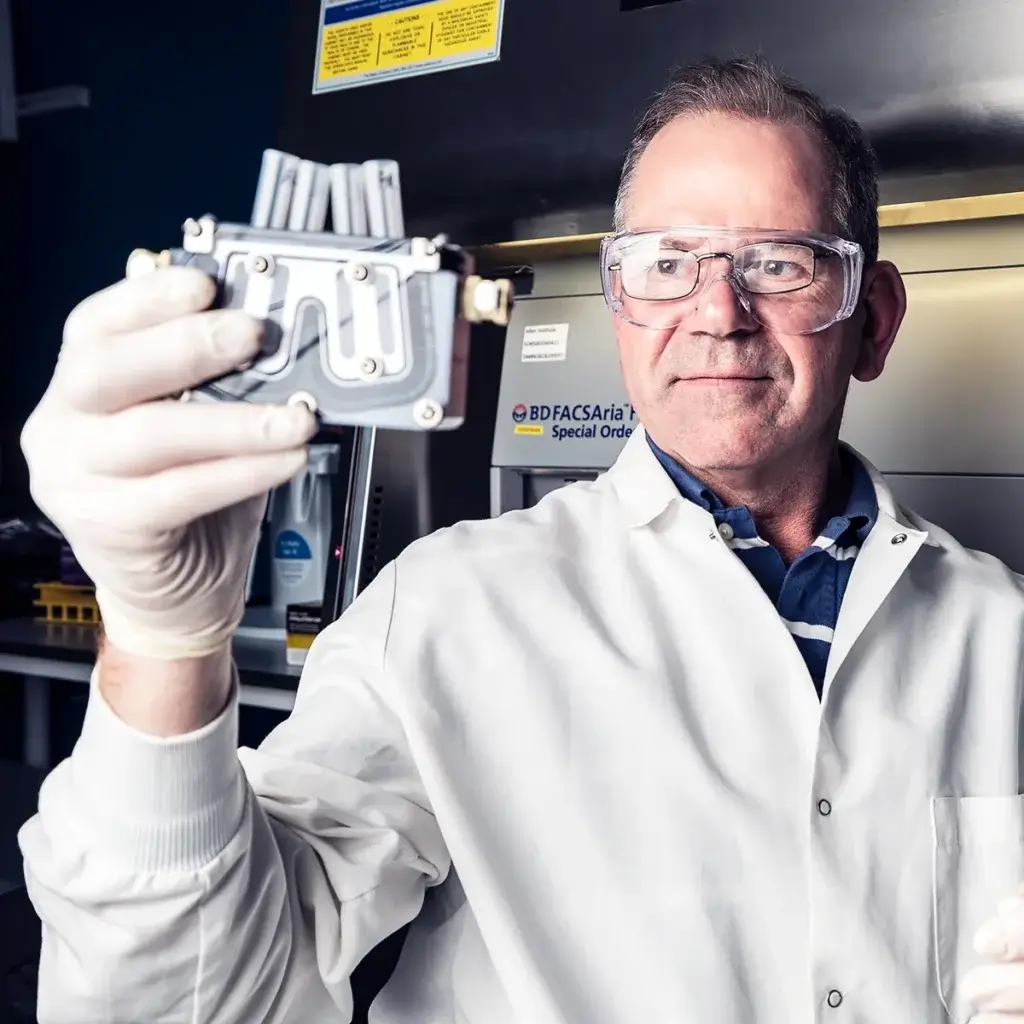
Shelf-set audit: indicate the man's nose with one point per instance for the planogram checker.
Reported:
(720, 309)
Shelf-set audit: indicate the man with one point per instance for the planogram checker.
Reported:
(726, 735)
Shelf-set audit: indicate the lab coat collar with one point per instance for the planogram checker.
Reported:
(643, 487)
(645, 491)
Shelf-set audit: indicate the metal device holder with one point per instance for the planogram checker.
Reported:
(390, 319)
(368, 330)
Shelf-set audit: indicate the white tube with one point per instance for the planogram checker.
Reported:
(302, 195)
(266, 187)
(384, 199)
(348, 200)
(320, 198)
(285, 189)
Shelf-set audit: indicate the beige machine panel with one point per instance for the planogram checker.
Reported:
(945, 421)
(951, 398)
(981, 512)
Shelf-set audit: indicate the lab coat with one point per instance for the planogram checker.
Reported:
(580, 748)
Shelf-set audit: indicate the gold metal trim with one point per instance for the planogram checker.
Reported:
(943, 211)
(936, 211)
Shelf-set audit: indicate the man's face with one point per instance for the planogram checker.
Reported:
(694, 385)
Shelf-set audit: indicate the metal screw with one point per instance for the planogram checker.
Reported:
(304, 398)
(359, 272)
(256, 263)
(427, 413)
(899, 538)
(370, 368)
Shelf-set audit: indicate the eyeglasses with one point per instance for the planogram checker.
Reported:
(789, 282)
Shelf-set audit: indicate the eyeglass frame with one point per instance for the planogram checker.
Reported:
(851, 254)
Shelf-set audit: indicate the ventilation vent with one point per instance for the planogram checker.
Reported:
(371, 541)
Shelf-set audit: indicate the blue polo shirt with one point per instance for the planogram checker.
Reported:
(809, 592)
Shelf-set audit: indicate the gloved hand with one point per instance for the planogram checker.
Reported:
(996, 990)
(161, 500)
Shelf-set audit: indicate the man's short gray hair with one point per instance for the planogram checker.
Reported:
(749, 87)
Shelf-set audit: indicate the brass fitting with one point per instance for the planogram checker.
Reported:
(485, 301)
(142, 261)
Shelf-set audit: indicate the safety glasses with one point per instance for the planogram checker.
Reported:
(789, 282)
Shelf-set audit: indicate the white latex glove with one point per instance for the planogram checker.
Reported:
(996, 990)
(161, 500)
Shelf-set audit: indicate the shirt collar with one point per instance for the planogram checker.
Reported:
(645, 490)
(859, 515)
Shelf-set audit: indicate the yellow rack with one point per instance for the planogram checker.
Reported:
(67, 604)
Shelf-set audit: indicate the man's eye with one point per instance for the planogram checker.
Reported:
(667, 267)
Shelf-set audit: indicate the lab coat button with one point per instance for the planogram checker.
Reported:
(899, 538)
(824, 808)
(835, 997)
(726, 531)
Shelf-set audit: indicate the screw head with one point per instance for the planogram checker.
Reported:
(257, 263)
(427, 413)
(306, 399)
(370, 368)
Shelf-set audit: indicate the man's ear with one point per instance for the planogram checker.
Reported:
(883, 306)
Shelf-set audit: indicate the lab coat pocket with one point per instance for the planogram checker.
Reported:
(978, 862)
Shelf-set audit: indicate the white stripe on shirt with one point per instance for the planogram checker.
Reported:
(808, 632)
(844, 554)
(745, 543)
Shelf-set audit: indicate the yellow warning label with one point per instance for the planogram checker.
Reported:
(368, 40)
(532, 429)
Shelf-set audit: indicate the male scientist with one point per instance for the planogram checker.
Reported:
(727, 735)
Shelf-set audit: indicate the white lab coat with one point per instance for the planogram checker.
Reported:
(594, 712)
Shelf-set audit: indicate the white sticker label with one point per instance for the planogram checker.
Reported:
(545, 343)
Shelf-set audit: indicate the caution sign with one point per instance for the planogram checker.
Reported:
(364, 41)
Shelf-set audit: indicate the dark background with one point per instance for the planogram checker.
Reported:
(185, 96)
(937, 81)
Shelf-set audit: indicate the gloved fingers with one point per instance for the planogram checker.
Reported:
(158, 436)
(1002, 937)
(995, 988)
(136, 303)
(113, 372)
(167, 500)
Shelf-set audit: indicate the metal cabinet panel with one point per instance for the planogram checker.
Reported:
(950, 398)
(983, 513)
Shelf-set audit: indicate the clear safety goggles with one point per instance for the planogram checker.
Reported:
(791, 283)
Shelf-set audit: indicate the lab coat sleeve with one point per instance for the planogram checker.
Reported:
(186, 881)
